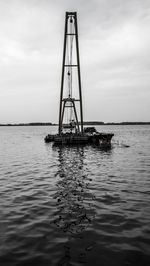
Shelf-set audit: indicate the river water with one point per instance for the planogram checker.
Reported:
(74, 205)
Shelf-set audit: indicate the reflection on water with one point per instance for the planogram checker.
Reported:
(75, 210)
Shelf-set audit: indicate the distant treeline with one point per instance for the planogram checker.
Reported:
(85, 123)
(114, 123)
(128, 123)
(28, 124)
(93, 123)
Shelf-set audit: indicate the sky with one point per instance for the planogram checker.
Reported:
(114, 42)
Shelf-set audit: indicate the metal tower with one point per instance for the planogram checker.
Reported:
(70, 35)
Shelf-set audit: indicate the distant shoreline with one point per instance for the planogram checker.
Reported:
(89, 123)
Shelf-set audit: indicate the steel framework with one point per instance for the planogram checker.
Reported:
(71, 17)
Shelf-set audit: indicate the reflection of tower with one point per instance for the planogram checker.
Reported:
(70, 63)
(73, 196)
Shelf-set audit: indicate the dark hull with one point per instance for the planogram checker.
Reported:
(103, 139)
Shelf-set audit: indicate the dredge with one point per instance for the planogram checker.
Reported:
(70, 129)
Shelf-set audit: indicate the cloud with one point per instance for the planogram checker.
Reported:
(114, 50)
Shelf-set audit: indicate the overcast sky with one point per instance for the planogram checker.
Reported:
(114, 40)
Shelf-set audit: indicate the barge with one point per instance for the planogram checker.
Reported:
(90, 136)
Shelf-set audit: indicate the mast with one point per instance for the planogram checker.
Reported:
(70, 32)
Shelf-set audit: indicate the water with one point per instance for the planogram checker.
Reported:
(74, 205)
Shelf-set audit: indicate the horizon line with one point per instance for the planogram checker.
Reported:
(85, 123)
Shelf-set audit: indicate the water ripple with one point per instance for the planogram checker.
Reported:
(74, 205)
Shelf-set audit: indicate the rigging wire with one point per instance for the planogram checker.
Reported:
(69, 48)
(70, 63)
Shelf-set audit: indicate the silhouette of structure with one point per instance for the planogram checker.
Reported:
(72, 131)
